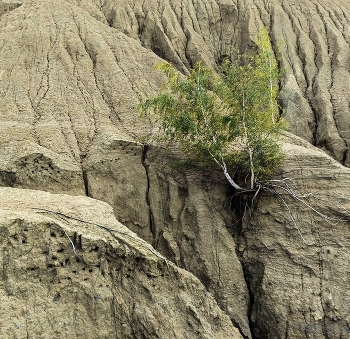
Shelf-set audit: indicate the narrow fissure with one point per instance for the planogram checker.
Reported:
(345, 154)
(321, 273)
(250, 293)
(238, 326)
(145, 149)
(86, 183)
(238, 209)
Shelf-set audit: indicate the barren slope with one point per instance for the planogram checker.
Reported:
(296, 256)
(81, 274)
(71, 75)
(313, 38)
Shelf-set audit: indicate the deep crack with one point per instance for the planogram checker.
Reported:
(145, 149)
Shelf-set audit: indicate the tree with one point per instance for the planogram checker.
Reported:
(230, 119)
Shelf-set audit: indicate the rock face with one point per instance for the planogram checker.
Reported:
(298, 270)
(183, 214)
(88, 276)
(312, 36)
(71, 75)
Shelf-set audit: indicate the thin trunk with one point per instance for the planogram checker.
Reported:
(271, 90)
(228, 177)
(221, 163)
(250, 150)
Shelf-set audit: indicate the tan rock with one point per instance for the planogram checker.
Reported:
(71, 75)
(104, 88)
(312, 37)
(298, 280)
(26, 164)
(82, 274)
(183, 214)
(9, 5)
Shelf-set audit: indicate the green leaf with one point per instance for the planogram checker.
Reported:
(231, 118)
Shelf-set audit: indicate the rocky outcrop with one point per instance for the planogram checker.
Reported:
(312, 37)
(77, 103)
(79, 273)
(184, 215)
(296, 254)
(104, 88)
(27, 164)
(71, 75)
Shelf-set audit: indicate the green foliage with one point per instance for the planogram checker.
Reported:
(230, 119)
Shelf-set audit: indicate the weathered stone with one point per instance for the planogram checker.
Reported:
(184, 215)
(71, 75)
(82, 274)
(296, 254)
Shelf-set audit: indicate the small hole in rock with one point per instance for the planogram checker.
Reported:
(56, 298)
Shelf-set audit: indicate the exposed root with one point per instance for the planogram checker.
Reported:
(280, 187)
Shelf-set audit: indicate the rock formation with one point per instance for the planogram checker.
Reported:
(297, 262)
(71, 75)
(78, 273)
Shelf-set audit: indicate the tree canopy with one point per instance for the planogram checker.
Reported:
(229, 118)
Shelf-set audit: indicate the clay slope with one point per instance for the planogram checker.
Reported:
(299, 270)
(69, 124)
(71, 75)
(312, 36)
(67, 81)
(64, 71)
(81, 274)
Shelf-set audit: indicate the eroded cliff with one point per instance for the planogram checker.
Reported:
(71, 76)
(78, 273)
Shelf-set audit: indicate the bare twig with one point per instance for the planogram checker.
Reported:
(288, 209)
